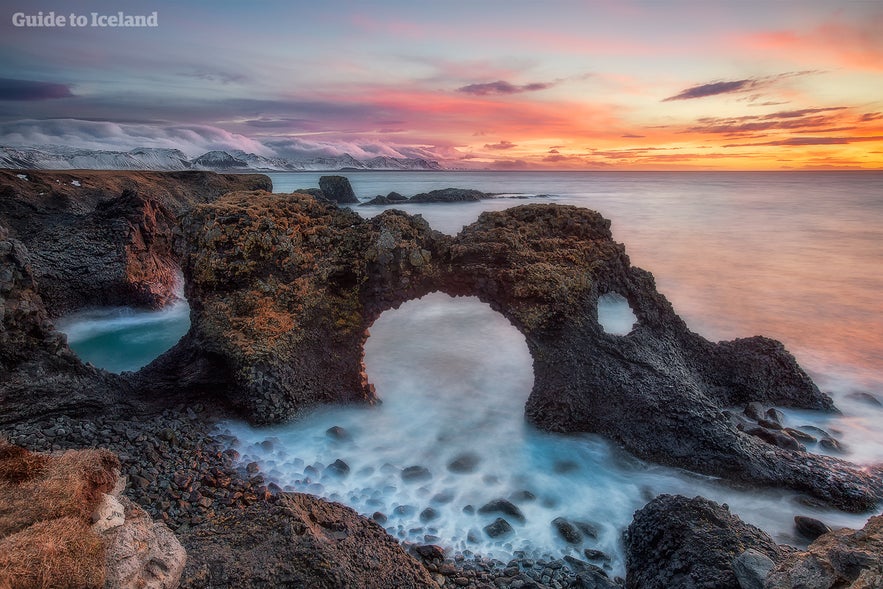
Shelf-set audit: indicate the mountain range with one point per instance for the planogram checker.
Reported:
(54, 157)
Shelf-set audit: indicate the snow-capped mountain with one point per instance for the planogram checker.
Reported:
(55, 157)
(66, 158)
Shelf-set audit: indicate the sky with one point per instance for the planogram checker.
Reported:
(473, 84)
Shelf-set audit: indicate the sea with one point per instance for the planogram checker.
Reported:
(796, 256)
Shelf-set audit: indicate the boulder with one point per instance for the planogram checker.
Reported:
(752, 568)
(810, 527)
(337, 189)
(298, 541)
(674, 541)
(142, 553)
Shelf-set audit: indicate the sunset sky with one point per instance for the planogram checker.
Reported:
(501, 84)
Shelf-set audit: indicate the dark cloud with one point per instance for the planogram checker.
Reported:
(553, 151)
(28, 90)
(791, 120)
(501, 145)
(871, 116)
(791, 114)
(795, 141)
(712, 89)
(734, 86)
(632, 136)
(502, 87)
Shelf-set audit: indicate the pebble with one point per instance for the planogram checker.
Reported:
(186, 476)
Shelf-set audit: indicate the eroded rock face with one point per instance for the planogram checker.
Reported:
(299, 541)
(106, 238)
(283, 289)
(674, 541)
(851, 559)
(39, 375)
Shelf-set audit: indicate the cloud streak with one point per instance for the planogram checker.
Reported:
(501, 145)
(732, 87)
(501, 87)
(29, 90)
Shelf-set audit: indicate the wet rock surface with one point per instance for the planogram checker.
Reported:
(674, 541)
(284, 289)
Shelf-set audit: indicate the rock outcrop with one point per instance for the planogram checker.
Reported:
(847, 559)
(39, 375)
(106, 238)
(283, 289)
(674, 541)
(690, 543)
(62, 524)
(299, 541)
(337, 189)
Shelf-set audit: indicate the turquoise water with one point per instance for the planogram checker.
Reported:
(795, 256)
(122, 339)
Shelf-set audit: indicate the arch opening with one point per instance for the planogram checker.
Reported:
(615, 314)
(125, 339)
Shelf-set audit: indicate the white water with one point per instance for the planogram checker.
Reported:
(794, 257)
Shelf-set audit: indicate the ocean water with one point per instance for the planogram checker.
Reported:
(794, 256)
(120, 339)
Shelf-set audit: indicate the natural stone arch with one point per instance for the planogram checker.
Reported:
(283, 289)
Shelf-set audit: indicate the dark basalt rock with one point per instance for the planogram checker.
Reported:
(450, 195)
(810, 527)
(464, 463)
(110, 240)
(283, 289)
(298, 541)
(337, 189)
(499, 527)
(505, 507)
(568, 532)
(39, 375)
(674, 541)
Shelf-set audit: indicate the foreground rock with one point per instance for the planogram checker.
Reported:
(283, 289)
(63, 524)
(299, 541)
(678, 542)
(106, 238)
(845, 558)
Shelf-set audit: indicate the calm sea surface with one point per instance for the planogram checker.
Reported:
(794, 256)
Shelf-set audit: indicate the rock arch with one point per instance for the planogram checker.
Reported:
(283, 288)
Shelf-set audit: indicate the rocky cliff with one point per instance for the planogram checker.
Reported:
(106, 238)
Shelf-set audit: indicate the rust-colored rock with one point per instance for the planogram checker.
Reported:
(848, 559)
(298, 541)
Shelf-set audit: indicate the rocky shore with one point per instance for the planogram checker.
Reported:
(282, 290)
